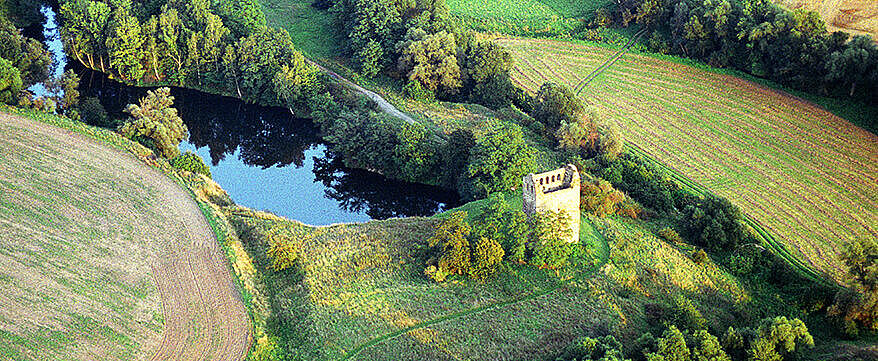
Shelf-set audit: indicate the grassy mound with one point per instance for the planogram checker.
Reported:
(808, 176)
(358, 291)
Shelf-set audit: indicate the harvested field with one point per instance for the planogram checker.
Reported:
(103, 258)
(808, 176)
(853, 16)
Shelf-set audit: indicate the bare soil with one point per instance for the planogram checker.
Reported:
(105, 258)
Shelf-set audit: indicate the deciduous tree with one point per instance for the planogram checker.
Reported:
(156, 121)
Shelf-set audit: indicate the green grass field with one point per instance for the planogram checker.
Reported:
(358, 291)
(806, 175)
(525, 17)
(311, 29)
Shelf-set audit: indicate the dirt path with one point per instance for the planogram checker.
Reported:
(172, 244)
(384, 105)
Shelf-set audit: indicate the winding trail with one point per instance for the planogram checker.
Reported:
(383, 104)
(204, 317)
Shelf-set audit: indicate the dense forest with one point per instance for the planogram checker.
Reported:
(219, 46)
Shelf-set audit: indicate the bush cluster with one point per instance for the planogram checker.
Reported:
(598, 197)
(714, 223)
(578, 130)
(857, 307)
(498, 232)
(191, 162)
(417, 41)
(774, 339)
(456, 256)
(540, 240)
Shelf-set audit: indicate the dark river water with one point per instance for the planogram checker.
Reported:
(266, 158)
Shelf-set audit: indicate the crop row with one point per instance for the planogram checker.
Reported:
(807, 175)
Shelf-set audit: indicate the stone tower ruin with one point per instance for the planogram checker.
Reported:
(556, 190)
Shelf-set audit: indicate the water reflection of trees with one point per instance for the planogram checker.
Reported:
(268, 137)
(377, 196)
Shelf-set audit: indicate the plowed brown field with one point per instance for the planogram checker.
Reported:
(103, 258)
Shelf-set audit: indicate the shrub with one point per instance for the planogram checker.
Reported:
(191, 162)
(451, 237)
(556, 104)
(44, 104)
(509, 226)
(857, 307)
(778, 337)
(487, 255)
(714, 223)
(629, 208)
(741, 262)
(282, 254)
(599, 197)
(92, 112)
(687, 315)
(414, 89)
(605, 348)
(670, 235)
(436, 274)
(671, 347)
(156, 119)
(699, 256)
(610, 142)
(550, 239)
(10, 82)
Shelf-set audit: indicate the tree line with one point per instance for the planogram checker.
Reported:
(221, 46)
(758, 37)
(416, 41)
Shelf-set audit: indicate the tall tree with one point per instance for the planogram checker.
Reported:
(28, 55)
(852, 65)
(168, 40)
(430, 59)
(499, 160)
(10, 81)
(125, 45)
(155, 121)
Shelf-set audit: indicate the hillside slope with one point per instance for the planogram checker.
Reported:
(103, 258)
(808, 176)
(358, 291)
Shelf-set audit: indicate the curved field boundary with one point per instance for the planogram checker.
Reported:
(604, 259)
(204, 316)
(605, 65)
(764, 235)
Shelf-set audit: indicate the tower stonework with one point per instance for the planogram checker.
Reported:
(556, 190)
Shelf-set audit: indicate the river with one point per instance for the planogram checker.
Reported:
(265, 158)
